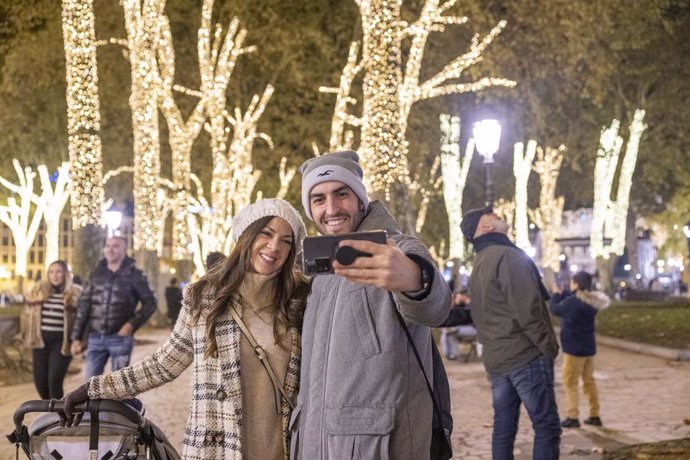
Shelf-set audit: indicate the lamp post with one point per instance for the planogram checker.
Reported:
(113, 219)
(487, 135)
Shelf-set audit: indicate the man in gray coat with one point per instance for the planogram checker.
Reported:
(362, 394)
(510, 314)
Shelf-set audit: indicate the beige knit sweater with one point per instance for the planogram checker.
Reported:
(261, 422)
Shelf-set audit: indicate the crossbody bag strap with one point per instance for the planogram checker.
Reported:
(437, 409)
(278, 388)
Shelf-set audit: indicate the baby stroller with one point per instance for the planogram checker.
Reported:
(109, 430)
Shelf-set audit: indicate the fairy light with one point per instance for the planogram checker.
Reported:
(142, 26)
(389, 93)
(454, 172)
(620, 213)
(609, 217)
(522, 167)
(18, 216)
(55, 200)
(83, 112)
(610, 144)
(426, 188)
(549, 215)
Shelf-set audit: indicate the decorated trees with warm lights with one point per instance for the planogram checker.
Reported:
(22, 216)
(609, 216)
(454, 172)
(549, 214)
(522, 167)
(55, 199)
(391, 87)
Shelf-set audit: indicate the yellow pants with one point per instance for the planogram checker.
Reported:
(575, 367)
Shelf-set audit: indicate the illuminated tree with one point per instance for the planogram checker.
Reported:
(142, 23)
(549, 214)
(83, 112)
(609, 216)
(54, 200)
(390, 87)
(454, 173)
(522, 167)
(24, 216)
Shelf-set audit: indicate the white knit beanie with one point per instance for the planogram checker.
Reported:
(337, 166)
(269, 207)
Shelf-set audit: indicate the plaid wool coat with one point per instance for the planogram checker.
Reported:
(214, 425)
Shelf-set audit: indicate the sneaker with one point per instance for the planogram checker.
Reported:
(594, 421)
(570, 423)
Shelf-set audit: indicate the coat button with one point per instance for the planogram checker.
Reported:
(208, 437)
(218, 438)
(221, 395)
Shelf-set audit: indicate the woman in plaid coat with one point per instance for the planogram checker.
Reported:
(234, 408)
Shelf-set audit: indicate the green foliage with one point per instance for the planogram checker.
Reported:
(663, 324)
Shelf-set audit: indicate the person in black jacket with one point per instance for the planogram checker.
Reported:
(107, 308)
(577, 311)
(173, 297)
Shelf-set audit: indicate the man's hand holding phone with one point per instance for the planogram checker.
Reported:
(387, 268)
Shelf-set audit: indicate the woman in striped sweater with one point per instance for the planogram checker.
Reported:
(238, 409)
(47, 321)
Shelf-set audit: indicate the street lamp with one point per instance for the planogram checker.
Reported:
(113, 219)
(487, 135)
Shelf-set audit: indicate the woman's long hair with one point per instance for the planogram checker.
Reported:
(224, 279)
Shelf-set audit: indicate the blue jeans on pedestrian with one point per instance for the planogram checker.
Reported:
(531, 385)
(103, 346)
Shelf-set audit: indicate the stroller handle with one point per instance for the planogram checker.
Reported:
(99, 405)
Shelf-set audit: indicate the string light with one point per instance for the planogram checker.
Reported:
(454, 172)
(83, 112)
(18, 216)
(608, 216)
(142, 24)
(637, 127)
(522, 167)
(388, 93)
(55, 200)
(549, 215)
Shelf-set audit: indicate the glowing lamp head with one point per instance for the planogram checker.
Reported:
(487, 135)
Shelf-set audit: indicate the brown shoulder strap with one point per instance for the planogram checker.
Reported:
(261, 354)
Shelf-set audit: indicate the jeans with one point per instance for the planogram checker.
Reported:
(531, 385)
(101, 347)
(50, 366)
(575, 367)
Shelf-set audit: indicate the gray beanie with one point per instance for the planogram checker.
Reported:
(269, 207)
(338, 166)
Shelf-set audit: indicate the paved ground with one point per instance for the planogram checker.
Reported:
(643, 399)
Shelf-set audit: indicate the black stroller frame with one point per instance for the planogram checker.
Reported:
(116, 418)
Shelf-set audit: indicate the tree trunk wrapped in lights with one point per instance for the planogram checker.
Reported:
(55, 200)
(608, 216)
(549, 215)
(22, 217)
(389, 91)
(143, 30)
(454, 173)
(83, 112)
(522, 167)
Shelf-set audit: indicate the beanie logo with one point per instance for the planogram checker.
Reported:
(325, 173)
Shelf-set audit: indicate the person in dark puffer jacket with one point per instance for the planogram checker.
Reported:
(108, 308)
(577, 310)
